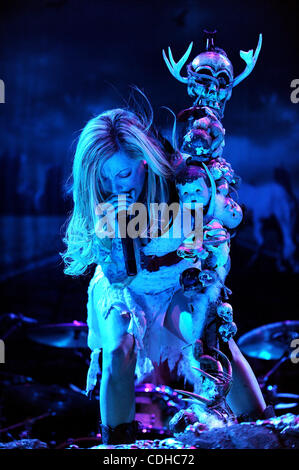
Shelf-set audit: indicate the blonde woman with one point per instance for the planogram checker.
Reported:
(119, 154)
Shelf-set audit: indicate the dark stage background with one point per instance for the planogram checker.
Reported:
(64, 61)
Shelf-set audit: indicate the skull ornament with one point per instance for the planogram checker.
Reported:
(207, 278)
(227, 331)
(203, 176)
(197, 142)
(192, 280)
(225, 311)
(210, 77)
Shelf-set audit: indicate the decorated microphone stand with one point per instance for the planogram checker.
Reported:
(204, 176)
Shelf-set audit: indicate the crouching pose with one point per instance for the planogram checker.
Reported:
(120, 160)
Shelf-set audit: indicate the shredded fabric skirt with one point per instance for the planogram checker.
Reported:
(147, 299)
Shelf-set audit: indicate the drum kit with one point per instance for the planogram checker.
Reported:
(52, 413)
(275, 342)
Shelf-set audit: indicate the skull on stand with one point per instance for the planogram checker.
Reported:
(204, 176)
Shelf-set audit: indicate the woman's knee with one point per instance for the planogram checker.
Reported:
(115, 324)
(119, 359)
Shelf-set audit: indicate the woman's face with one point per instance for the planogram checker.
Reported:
(123, 174)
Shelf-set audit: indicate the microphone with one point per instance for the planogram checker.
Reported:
(129, 251)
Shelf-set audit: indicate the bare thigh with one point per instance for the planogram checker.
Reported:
(178, 319)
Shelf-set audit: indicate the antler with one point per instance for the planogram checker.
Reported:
(225, 360)
(175, 68)
(194, 398)
(206, 374)
(250, 60)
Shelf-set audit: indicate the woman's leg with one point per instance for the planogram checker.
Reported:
(117, 392)
(245, 396)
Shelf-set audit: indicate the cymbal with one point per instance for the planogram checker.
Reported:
(289, 400)
(270, 341)
(63, 335)
(33, 399)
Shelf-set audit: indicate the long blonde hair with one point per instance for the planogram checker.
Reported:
(103, 136)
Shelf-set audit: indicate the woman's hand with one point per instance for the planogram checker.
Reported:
(114, 266)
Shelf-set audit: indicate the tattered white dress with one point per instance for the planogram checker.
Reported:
(147, 298)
